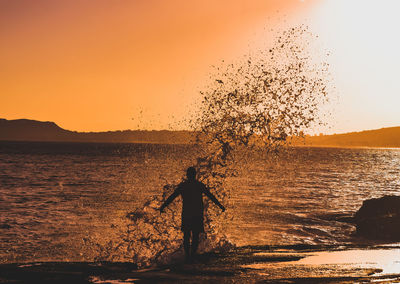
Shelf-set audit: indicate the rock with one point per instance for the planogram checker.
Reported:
(379, 219)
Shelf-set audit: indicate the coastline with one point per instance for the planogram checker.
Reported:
(249, 264)
(25, 130)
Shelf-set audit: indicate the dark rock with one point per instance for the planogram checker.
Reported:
(379, 219)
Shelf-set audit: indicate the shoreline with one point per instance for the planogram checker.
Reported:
(285, 264)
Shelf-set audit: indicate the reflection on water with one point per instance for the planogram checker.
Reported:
(54, 195)
(387, 260)
(374, 264)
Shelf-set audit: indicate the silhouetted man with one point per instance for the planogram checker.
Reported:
(192, 210)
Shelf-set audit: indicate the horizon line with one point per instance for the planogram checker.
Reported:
(180, 130)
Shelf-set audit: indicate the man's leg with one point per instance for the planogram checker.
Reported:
(186, 244)
(195, 243)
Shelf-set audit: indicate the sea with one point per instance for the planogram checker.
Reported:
(54, 197)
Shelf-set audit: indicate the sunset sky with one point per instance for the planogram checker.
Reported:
(107, 65)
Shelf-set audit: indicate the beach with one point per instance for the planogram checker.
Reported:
(291, 264)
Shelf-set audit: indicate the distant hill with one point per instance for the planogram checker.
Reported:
(384, 137)
(33, 130)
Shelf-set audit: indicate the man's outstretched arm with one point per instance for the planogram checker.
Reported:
(169, 200)
(214, 199)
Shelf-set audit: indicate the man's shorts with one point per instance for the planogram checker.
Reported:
(192, 223)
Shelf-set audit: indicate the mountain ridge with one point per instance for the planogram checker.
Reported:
(386, 137)
(33, 130)
(46, 131)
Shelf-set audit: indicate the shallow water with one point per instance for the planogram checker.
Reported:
(387, 260)
(384, 259)
(54, 195)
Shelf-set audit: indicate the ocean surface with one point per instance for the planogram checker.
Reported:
(54, 197)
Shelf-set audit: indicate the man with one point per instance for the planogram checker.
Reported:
(192, 210)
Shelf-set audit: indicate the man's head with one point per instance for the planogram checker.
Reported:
(191, 173)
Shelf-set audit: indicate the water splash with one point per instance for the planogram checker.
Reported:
(261, 103)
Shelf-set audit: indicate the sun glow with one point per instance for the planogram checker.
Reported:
(363, 39)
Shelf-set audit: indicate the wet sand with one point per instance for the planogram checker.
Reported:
(285, 264)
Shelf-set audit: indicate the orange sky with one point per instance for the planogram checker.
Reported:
(95, 65)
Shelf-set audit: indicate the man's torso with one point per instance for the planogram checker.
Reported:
(192, 197)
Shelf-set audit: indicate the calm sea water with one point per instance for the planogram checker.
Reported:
(54, 195)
